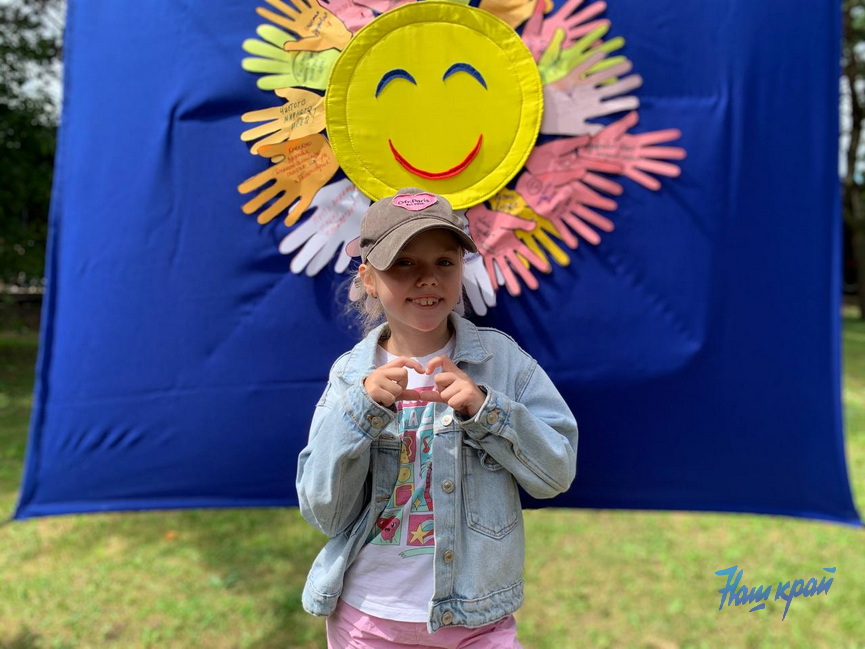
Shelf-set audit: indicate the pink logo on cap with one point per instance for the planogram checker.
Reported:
(414, 202)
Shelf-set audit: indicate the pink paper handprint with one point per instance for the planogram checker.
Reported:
(637, 154)
(568, 180)
(564, 187)
(539, 29)
(352, 14)
(561, 156)
(493, 233)
(380, 6)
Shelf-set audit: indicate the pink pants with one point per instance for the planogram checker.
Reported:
(349, 628)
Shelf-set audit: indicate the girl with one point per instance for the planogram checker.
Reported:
(417, 445)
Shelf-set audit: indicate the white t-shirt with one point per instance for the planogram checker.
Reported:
(392, 577)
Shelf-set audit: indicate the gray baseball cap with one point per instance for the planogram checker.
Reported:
(390, 222)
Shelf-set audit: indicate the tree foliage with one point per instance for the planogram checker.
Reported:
(30, 54)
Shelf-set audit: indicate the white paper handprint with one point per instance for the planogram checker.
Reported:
(336, 221)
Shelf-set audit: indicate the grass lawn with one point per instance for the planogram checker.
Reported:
(215, 578)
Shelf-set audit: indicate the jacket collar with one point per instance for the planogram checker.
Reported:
(468, 348)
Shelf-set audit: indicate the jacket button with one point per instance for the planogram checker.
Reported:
(493, 417)
(446, 420)
(448, 557)
(447, 486)
(447, 618)
(376, 422)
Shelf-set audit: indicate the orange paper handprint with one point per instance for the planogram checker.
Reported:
(300, 168)
(317, 28)
(302, 114)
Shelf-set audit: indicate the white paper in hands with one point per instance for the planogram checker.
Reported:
(336, 221)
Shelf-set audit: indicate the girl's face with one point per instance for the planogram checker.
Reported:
(422, 286)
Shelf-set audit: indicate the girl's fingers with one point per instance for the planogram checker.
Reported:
(450, 392)
(434, 363)
(452, 386)
(444, 379)
(392, 388)
(430, 395)
(381, 397)
(462, 398)
(398, 375)
(445, 363)
(455, 388)
(405, 361)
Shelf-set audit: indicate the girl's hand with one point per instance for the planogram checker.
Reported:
(453, 387)
(387, 384)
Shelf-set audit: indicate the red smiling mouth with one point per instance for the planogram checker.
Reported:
(437, 175)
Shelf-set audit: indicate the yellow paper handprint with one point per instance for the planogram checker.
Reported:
(537, 240)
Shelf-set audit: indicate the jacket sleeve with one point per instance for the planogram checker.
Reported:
(534, 435)
(332, 469)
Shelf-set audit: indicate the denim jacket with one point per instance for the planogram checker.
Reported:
(524, 434)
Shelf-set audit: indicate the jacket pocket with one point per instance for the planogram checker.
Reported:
(490, 497)
(384, 469)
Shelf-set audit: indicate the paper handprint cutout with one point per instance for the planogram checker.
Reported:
(300, 169)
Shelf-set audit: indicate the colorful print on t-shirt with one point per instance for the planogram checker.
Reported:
(392, 575)
(408, 518)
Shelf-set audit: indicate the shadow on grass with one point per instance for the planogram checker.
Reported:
(27, 639)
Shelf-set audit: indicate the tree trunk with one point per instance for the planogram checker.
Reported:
(852, 194)
(859, 257)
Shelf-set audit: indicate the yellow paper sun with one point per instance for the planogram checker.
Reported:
(496, 107)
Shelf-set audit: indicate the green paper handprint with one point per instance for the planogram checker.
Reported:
(555, 63)
(283, 69)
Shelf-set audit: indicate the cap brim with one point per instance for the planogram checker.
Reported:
(386, 251)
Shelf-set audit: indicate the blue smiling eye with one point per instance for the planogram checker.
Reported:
(465, 67)
(390, 75)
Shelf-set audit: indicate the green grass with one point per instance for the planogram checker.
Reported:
(232, 578)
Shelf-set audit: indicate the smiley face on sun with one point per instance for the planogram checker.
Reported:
(436, 94)
(519, 110)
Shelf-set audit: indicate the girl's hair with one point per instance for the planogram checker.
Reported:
(365, 308)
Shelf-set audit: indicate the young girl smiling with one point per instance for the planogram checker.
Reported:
(417, 446)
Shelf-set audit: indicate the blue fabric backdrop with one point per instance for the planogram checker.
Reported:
(180, 360)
